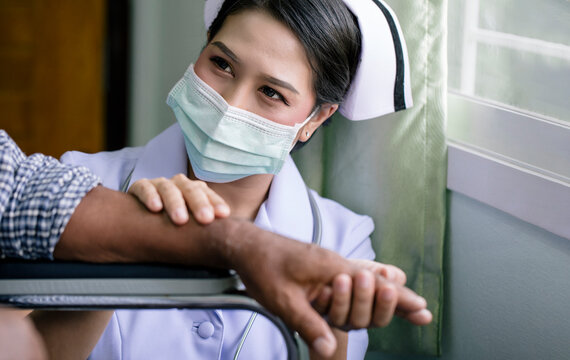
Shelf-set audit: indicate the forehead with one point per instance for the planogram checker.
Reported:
(265, 45)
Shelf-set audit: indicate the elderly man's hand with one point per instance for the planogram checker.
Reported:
(298, 282)
(289, 277)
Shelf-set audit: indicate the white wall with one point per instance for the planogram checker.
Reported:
(507, 288)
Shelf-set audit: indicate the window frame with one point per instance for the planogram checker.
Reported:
(516, 176)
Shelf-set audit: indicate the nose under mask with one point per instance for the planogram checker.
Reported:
(225, 143)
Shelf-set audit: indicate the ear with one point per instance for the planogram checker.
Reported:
(324, 112)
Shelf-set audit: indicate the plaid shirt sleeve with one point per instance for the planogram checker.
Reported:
(38, 194)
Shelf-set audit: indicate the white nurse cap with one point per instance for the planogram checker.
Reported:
(381, 84)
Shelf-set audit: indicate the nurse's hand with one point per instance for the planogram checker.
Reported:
(370, 298)
(178, 194)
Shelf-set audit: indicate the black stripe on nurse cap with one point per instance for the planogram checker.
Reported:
(382, 81)
(399, 98)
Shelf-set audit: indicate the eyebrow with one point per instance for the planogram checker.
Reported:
(220, 45)
(281, 83)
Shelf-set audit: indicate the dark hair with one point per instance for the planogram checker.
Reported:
(327, 30)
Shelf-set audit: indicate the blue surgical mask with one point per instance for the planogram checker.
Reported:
(225, 143)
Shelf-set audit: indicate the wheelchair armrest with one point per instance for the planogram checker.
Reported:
(57, 285)
(19, 277)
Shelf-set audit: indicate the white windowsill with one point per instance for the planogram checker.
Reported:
(514, 175)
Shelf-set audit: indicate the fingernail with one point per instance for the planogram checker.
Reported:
(426, 313)
(324, 345)
(423, 317)
(222, 209)
(343, 285)
(422, 301)
(180, 214)
(206, 213)
(387, 295)
(155, 203)
(364, 282)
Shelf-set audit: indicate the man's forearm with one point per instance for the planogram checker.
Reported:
(109, 226)
(282, 274)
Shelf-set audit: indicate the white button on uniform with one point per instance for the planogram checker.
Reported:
(206, 330)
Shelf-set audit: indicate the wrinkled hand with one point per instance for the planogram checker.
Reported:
(288, 278)
(352, 294)
(178, 194)
(370, 298)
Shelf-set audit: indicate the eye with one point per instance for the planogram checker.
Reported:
(222, 64)
(273, 94)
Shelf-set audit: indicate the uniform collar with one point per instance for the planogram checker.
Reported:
(286, 211)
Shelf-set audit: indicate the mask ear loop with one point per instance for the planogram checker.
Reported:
(300, 125)
(311, 115)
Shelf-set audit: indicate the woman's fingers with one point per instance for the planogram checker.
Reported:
(221, 208)
(322, 302)
(146, 192)
(195, 196)
(204, 204)
(421, 317)
(393, 273)
(178, 195)
(390, 272)
(369, 300)
(386, 302)
(161, 194)
(341, 300)
(173, 200)
(362, 299)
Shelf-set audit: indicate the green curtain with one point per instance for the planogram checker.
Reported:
(394, 169)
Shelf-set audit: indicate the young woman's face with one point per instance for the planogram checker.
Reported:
(257, 64)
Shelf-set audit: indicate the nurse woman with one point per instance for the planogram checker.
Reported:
(271, 74)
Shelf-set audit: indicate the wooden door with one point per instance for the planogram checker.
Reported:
(51, 74)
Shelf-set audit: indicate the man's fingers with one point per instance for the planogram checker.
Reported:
(362, 299)
(341, 300)
(145, 191)
(312, 327)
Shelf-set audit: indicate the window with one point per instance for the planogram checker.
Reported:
(509, 107)
(514, 52)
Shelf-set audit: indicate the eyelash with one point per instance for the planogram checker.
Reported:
(223, 65)
(281, 97)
